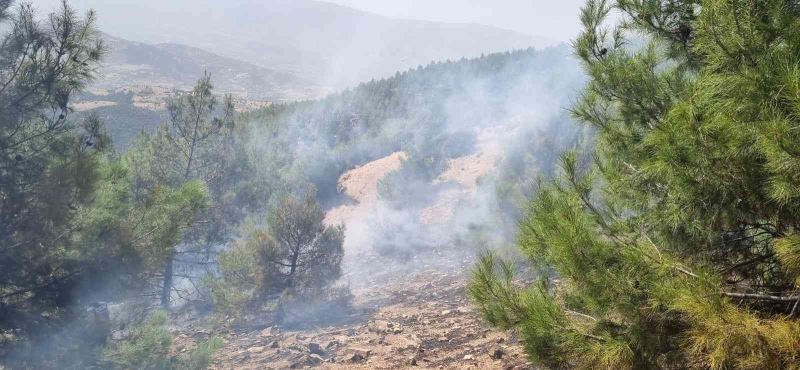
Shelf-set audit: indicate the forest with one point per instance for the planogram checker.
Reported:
(641, 211)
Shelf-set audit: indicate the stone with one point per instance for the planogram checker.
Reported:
(403, 341)
(304, 361)
(469, 357)
(446, 312)
(314, 359)
(255, 349)
(274, 344)
(359, 355)
(316, 349)
(498, 354)
(356, 357)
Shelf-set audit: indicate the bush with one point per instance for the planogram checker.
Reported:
(201, 357)
(297, 251)
(147, 347)
(237, 281)
(290, 263)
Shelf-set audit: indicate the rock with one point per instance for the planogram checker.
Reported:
(255, 349)
(274, 344)
(446, 312)
(303, 361)
(330, 344)
(356, 357)
(469, 357)
(316, 349)
(315, 359)
(403, 341)
(266, 332)
(359, 355)
(498, 353)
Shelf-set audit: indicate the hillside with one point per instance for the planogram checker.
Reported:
(326, 43)
(406, 255)
(178, 66)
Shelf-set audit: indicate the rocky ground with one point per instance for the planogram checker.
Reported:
(422, 322)
(408, 313)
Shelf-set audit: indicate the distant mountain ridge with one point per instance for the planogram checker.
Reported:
(328, 44)
(178, 66)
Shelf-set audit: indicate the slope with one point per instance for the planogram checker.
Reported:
(179, 66)
(331, 44)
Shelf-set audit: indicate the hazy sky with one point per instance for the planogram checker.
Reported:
(557, 20)
(554, 20)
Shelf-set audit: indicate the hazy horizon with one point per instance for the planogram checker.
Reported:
(556, 22)
(552, 23)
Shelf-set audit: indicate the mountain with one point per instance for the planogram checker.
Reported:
(329, 44)
(178, 66)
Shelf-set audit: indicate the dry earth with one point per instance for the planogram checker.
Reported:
(407, 315)
(424, 321)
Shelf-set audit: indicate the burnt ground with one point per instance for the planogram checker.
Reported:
(420, 319)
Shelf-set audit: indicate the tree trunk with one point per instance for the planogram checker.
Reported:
(293, 268)
(166, 290)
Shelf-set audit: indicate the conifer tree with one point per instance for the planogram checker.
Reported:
(675, 244)
(68, 222)
(47, 164)
(191, 147)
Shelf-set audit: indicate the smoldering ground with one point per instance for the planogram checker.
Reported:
(502, 118)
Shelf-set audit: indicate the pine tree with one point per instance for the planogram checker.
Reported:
(193, 146)
(297, 250)
(48, 163)
(675, 243)
(68, 220)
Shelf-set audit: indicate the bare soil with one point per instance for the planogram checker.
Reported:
(423, 321)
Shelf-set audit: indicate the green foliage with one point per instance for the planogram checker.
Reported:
(296, 255)
(200, 358)
(47, 164)
(147, 347)
(239, 271)
(193, 148)
(676, 245)
(429, 112)
(298, 251)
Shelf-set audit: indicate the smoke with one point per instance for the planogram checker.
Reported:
(470, 130)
